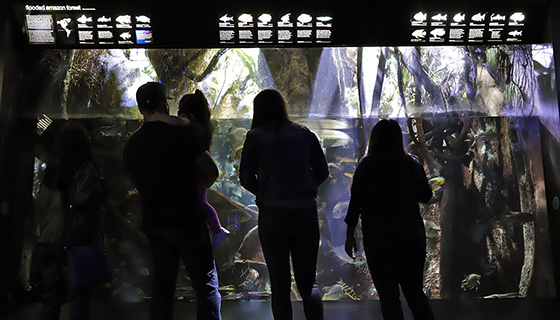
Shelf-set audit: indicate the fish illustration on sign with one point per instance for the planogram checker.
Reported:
(438, 33)
(419, 34)
(440, 17)
(143, 19)
(125, 36)
(304, 18)
(497, 17)
(459, 17)
(226, 18)
(126, 19)
(420, 16)
(479, 17)
(515, 33)
(324, 19)
(84, 19)
(265, 18)
(286, 18)
(103, 19)
(245, 18)
(517, 17)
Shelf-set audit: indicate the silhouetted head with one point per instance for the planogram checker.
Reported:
(197, 105)
(269, 108)
(151, 98)
(386, 138)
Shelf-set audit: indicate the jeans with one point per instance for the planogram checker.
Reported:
(286, 232)
(405, 267)
(168, 246)
(55, 285)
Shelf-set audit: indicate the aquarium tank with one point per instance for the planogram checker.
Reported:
(471, 114)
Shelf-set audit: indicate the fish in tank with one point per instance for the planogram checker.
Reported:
(472, 115)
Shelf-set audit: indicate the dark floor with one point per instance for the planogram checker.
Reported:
(510, 309)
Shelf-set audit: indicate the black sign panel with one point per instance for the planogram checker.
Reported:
(233, 24)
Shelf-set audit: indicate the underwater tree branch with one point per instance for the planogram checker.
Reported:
(211, 65)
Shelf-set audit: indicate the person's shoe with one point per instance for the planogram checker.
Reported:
(219, 237)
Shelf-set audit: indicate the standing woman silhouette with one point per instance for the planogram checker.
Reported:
(70, 180)
(283, 164)
(386, 189)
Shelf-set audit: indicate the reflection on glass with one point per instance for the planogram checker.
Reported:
(470, 114)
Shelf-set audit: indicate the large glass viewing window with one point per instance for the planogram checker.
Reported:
(471, 114)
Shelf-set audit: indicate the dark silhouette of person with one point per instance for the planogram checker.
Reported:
(165, 162)
(70, 179)
(282, 163)
(386, 189)
(194, 110)
(195, 106)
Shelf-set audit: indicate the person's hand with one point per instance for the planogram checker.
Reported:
(350, 246)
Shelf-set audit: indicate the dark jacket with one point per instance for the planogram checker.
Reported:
(283, 165)
(78, 206)
(161, 161)
(385, 195)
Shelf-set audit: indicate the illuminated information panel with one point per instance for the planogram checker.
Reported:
(466, 27)
(267, 29)
(182, 25)
(78, 25)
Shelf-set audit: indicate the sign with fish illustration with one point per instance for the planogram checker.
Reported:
(437, 35)
(497, 19)
(236, 25)
(484, 26)
(270, 29)
(438, 19)
(517, 19)
(419, 19)
(418, 35)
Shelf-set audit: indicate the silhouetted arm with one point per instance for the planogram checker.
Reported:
(424, 190)
(354, 209)
(208, 168)
(318, 161)
(248, 165)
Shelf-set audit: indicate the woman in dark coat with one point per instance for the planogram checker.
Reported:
(70, 180)
(283, 164)
(386, 189)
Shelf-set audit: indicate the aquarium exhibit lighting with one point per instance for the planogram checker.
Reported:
(466, 27)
